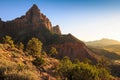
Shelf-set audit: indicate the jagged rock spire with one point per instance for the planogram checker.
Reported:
(34, 9)
(56, 30)
(34, 6)
(35, 17)
(33, 14)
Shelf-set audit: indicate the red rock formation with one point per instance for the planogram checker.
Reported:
(26, 24)
(35, 18)
(56, 30)
(36, 24)
(75, 51)
(74, 48)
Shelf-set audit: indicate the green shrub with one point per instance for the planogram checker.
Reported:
(34, 47)
(20, 46)
(39, 61)
(81, 71)
(53, 51)
(43, 53)
(8, 40)
(65, 68)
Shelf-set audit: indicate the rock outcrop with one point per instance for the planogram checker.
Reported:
(56, 30)
(26, 24)
(35, 18)
(74, 48)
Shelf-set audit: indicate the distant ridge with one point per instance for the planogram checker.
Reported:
(102, 42)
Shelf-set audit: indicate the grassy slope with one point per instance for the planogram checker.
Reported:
(106, 47)
(17, 65)
(105, 53)
(102, 42)
(111, 56)
(113, 48)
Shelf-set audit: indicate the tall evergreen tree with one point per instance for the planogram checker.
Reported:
(34, 47)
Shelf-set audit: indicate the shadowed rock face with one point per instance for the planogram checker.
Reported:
(74, 48)
(75, 51)
(56, 30)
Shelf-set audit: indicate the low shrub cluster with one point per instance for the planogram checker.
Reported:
(81, 71)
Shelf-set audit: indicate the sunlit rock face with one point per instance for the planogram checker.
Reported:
(34, 16)
(26, 24)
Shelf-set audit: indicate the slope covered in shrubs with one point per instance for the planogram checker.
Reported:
(32, 63)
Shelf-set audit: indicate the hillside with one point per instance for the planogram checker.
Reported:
(113, 48)
(110, 57)
(109, 45)
(68, 45)
(102, 42)
(17, 65)
(110, 49)
(106, 53)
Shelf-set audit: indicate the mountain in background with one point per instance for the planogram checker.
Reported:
(113, 48)
(110, 50)
(110, 55)
(102, 42)
(109, 45)
(36, 24)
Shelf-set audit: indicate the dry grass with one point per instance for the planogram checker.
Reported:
(17, 65)
(13, 66)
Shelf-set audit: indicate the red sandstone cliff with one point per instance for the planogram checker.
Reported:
(74, 48)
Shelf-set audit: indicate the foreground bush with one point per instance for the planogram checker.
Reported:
(81, 71)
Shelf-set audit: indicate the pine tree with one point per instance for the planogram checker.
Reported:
(34, 47)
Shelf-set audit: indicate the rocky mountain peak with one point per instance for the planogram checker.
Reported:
(33, 14)
(34, 7)
(34, 10)
(35, 17)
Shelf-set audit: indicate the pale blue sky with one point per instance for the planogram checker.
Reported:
(85, 19)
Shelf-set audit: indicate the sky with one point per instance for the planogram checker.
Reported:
(86, 19)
